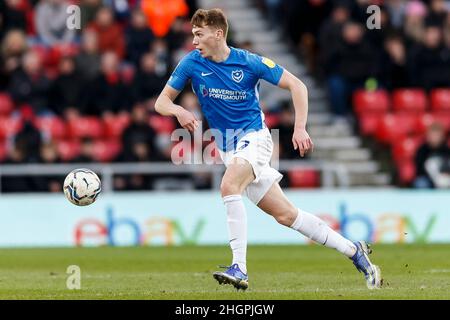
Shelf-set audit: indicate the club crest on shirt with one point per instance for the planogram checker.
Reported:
(237, 75)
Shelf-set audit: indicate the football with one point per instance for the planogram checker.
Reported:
(82, 186)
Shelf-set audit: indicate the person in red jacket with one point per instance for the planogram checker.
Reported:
(110, 34)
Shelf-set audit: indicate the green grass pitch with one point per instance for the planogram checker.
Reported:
(275, 272)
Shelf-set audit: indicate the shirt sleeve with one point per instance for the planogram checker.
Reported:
(181, 74)
(266, 69)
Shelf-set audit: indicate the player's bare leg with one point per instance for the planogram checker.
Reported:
(278, 205)
(238, 175)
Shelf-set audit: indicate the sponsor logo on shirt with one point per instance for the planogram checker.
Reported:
(268, 62)
(223, 94)
(203, 90)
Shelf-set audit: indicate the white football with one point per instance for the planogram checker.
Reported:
(82, 186)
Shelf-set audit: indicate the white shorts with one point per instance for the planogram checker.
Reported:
(256, 147)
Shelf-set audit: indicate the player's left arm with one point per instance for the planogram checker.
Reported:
(299, 93)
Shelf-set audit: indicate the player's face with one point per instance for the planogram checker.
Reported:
(205, 40)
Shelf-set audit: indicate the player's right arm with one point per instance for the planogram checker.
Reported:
(164, 105)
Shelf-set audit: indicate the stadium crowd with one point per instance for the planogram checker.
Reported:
(88, 95)
(391, 81)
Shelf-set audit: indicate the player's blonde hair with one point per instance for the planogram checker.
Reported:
(213, 18)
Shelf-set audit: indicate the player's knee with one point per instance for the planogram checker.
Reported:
(228, 187)
(287, 216)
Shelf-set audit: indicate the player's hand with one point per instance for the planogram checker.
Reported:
(187, 120)
(302, 141)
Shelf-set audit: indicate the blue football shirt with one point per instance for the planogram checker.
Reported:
(228, 90)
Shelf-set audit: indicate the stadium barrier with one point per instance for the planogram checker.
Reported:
(198, 218)
(332, 174)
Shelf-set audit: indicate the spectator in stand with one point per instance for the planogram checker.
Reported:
(121, 9)
(67, 89)
(435, 146)
(394, 62)
(12, 17)
(447, 30)
(51, 17)
(17, 155)
(431, 63)
(359, 12)
(89, 9)
(348, 67)
(30, 86)
(331, 30)
(177, 34)
(13, 48)
(437, 14)
(139, 131)
(376, 36)
(414, 24)
(29, 137)
(49, 155)
(138, 142)
(86, 152)
(110, 34)
(182, 51)
(107, 94)
(88, 60)
(138, 152)
(160, 49)
(147, 83)
(396, 10)
(138, 37)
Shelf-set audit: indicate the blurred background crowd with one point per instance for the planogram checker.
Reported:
(88, 95)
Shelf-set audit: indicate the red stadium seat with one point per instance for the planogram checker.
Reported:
(106, 150)
(304, 178)
(88, 126)
(440, 99)
(406, 148)
(162, 124)
(371, 101)
(368, 123)
(427, 119)
(54, 127)
(406, 172)
(271, 120)
(211, 154)
(409, 100)
(6, 104)
(10, 126)
(393, 127)
(68, 149)
(115, 125)
(181, 152)
(66, 49)
(56, 52)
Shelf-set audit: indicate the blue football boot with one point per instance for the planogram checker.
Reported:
(233, 275)
(361, 261)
